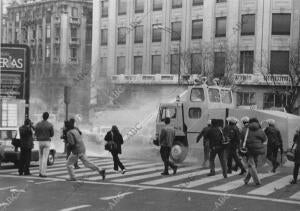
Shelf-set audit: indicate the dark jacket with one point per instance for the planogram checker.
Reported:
(167, 136)
(274, 137)
(214, 136)
(26, 139)
(256, 138)
(74, 140)
(203, 134)
(44, 131)
(296, 140)
(232, 134)
(116, 138)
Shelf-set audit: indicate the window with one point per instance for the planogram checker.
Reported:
(73, 32)
(245, 98)
(139, 6)
(122, 6)
(157, 5)
(226, 96)
(196, 63)
(246, 62)
(34, 34)
(121, 35)
(120, 65)
(221, 27)
(197, 29)
(138, 65)
(167, 112)
(89, 35)
(156, 33)
(219, 67)
(197, 2)
(279, 62)
(57, 31)
(104, 8)
(195, 113)
(248, 25)
(104, 36)
(156, 64)
(221, 1)
(281, 24)
(103, 66)
(74, 12)
(176, 31)
(138, 34)
(17, 17)
(197, 95)
(176, 4)
(57, 51)
(33, 53)
(73, 53)
(214, 95)
(40, 52)
(278, 100)
(48, 31)
(175, 64)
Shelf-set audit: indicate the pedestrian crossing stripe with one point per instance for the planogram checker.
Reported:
(186, 176)
(271, 187)
(146, 176)
(131, 165)
(237, 183)
(296, 196)
(202, 181)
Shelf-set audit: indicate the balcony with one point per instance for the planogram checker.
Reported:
(74, 21)
(57, 20)
(145, 79)
(33, 41)
(259, 79)
(75, 41)
(57, 40)
(73, 60)
(56, 60)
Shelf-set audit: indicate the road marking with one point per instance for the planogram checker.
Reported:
(177, 177)
(237, 183)
(75, 208)
(155, 168)
(38, 183)
(6, 188)
(203, 181)
(17, 190)
(116, 196)
(271, 187)
(296, 196)
(213, 193)
(90, 172)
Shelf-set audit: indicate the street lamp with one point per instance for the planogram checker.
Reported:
(169, 30)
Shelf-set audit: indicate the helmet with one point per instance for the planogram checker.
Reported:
(270, 121)
(232, 119)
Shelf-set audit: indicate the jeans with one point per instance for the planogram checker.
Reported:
(222, 157)
(25, 158)
(43, 156)
(117, 162)
(206, 151)
(296, 171)
(272, 155)
(252, 171)
(165, 154)
(73, 158)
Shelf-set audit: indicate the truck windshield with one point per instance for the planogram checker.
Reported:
(214, 95)
(197, 95)
(167, 112)
(226, 96)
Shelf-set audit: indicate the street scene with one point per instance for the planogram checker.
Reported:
(149, 105)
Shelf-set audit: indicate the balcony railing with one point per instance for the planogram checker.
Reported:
(73, 60)
(57, 20)
(75, 21)
(74, 41)
(259, 79)
(56, 60)
(57, 40)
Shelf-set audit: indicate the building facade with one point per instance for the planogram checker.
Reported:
(163, 41)
(59, 34)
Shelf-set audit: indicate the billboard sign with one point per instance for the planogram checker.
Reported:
(14, 66)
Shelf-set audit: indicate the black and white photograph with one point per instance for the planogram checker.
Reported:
(142, 105)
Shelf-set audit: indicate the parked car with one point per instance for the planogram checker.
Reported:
(10, 153)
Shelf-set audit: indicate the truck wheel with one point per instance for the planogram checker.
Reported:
(178, 152)
(51, 159)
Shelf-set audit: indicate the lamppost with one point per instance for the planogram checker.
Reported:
(169, 30)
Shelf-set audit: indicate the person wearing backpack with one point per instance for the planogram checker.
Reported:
(26, 145)
(274, 143)
(116, 140)
(296, 141)
(232, 134)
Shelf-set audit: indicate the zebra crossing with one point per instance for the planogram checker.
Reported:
(188, 177)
